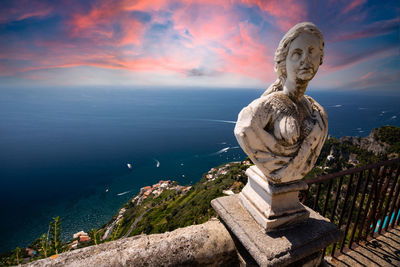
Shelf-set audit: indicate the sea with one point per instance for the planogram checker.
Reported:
(65, 152)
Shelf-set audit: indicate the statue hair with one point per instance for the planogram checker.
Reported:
(283, 50)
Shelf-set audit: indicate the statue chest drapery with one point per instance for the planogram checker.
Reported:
(289, 122)
(282, 138)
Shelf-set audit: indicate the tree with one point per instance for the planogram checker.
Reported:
(93, 235)
(17, 253)
(55, 231)
(44, 244)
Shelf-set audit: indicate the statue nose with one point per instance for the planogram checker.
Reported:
(306, 62)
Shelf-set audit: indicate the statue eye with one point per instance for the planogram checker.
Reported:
(296, 55)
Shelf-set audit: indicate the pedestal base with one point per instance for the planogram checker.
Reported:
(273, 206)
(281, 247)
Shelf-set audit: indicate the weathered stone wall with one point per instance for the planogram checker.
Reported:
(208, 244)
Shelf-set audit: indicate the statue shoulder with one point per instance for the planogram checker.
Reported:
(316, 107)
(259, 111)
(314, 104)
(280, 103)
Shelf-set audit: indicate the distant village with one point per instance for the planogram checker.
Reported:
(214, 173)
(156, 190)
(79, 239)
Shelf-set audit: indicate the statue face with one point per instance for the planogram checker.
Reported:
(303, 58)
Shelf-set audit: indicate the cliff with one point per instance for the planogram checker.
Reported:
(371, 143)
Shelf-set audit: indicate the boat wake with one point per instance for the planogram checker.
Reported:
(224, 150)
(224, 121)
(123, 193)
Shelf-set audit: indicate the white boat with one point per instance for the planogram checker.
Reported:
(129, 165)
(157, 163)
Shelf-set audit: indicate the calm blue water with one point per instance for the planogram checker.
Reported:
(61, 149)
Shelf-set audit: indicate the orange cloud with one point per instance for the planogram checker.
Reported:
(130, 5)
(107, 61)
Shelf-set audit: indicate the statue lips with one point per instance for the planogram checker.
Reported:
(305, 74)
(306, 70)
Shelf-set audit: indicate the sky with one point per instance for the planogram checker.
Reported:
(192, 43)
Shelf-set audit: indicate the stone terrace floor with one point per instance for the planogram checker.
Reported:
(382, 251)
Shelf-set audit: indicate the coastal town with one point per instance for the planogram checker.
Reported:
(215, 173)
(80, 238)
(155, 190)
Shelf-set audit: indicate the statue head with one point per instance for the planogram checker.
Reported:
(282, 51)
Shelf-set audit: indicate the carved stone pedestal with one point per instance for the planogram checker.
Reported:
(299, 245)
(273, 205)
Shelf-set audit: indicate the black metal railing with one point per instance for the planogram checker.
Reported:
(362, 201)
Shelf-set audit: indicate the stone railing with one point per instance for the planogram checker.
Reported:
(207, 244)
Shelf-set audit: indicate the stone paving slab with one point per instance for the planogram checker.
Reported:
(382, 251)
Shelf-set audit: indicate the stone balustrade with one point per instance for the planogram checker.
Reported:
(207, 244)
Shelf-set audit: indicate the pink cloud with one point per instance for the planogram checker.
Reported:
(106, 61)
(286, 12)
(337, 60)
(375, 79)
(234, 46)
(374, 29)
(94, 23)
(162, 4)
(144, 5)
(26, 9)
(197, 38)
(204, 23)
(369, 74)
(35, 13)
(218, 40)
(247, 55)
(353, 5)
(98, 25)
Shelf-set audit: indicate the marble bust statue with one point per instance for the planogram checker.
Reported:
(284, 130)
